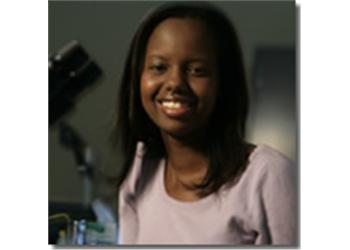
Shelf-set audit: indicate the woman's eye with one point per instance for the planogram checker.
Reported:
(198, 71)
(157, 68)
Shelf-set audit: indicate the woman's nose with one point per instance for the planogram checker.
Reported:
(176, 80)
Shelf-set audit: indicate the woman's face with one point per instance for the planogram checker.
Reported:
(179, 78)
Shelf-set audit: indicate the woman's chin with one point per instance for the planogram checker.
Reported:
(183, 133)
(178, 132)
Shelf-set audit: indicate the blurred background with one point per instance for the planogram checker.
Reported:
(267, 31)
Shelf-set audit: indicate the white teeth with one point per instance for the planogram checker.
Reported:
(172, 104)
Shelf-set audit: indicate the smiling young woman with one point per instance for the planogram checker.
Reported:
(189, 176)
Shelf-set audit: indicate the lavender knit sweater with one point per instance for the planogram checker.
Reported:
(260, 209)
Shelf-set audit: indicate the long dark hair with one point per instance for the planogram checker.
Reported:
(226, 148)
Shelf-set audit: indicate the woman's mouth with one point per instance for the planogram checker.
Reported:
(176, 108)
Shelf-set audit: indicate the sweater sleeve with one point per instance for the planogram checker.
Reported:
(279, 197)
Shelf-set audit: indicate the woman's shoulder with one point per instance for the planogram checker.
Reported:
(141, 171)
(129, 183)
(264, 155)
(265, 161)
(270, 163)
(268, 171)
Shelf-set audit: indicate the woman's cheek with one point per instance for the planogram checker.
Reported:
(206, 92)
(149, 89)
(148, 83)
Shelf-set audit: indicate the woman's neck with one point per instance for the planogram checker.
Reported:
(186, 160)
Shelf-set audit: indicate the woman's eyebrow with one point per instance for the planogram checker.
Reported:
(156, 56)
(198, 59)
(190, 60)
